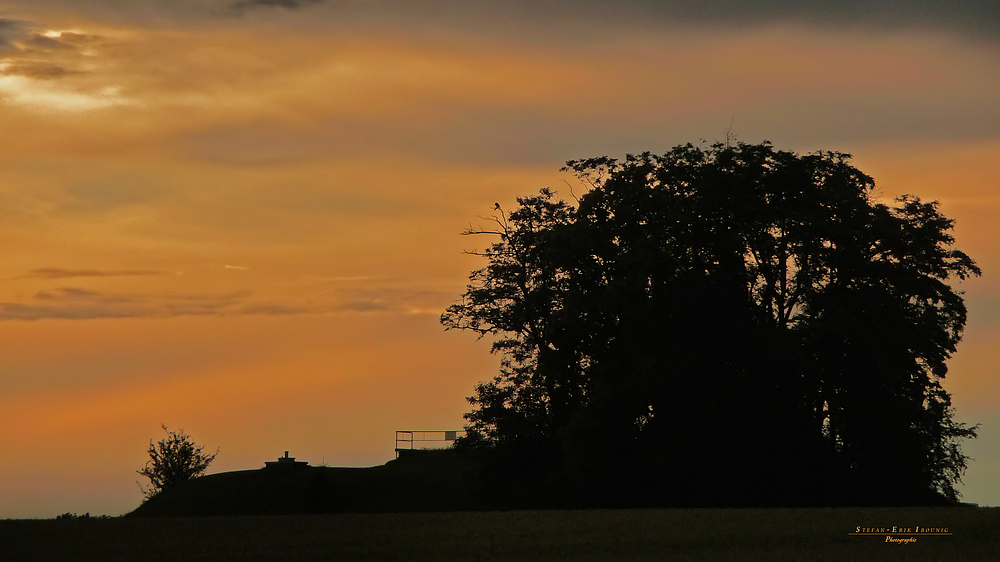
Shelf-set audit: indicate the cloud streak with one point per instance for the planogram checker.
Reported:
(38, 71)
(81, 304)
(75, 303)
(58, 273)
(242, 5)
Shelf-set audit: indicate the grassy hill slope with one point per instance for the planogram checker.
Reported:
(425, 481)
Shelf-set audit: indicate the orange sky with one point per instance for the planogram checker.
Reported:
(243, 220)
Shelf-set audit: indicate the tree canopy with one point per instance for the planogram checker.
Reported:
(173, 460)
(721, 325)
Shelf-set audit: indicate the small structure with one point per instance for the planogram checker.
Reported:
(285, 462)
(410, 441)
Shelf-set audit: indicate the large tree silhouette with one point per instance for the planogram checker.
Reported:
(726, 325)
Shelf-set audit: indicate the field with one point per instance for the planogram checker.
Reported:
(653, 534)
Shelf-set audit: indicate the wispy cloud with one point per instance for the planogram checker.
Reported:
(381, 296)
(58, 273)
(387, 295)
(274, 309)
(355, 278)
(75, 294)
(30, 92)
(81, 304)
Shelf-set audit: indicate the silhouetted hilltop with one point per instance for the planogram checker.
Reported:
(428, 481)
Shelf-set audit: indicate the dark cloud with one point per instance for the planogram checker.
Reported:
(11, 30)
(976, 17)
(66, 293)
(973, 16)
(562, 19)
(38, 70)
(21, 36)
(287, 4)
(57, 273)
(20, 311)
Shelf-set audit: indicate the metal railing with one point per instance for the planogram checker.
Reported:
(425, 440)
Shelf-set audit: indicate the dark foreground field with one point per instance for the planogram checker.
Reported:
(653, 534)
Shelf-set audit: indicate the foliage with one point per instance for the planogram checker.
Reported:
(87, 516)
(733, 324)
(173, 460)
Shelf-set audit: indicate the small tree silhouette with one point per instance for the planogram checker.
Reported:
(172, 460)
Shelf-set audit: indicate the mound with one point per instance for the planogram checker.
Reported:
(427, 481)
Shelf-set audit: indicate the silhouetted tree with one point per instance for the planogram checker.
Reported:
(173, 460)
(723, 325)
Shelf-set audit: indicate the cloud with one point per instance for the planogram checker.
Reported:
(354, 278)
(542, 131)
(36, 94)
(287, 4)
(32, 57)
(983, 15)
(111, 193)
(71, 293)
(57, 273)
(76, 304)
(24, 37)
(387, 295)
(561, 19)
(37, 70)
(378, 296)
(274, 309)
(11, 30)
(20, 311)
(970, 17)
(82, 304)
(363, 305)
(39, 42)
(81, 39)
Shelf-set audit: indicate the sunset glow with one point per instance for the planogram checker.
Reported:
(243, 221)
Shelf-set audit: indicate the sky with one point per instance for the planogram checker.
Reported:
(243, 218)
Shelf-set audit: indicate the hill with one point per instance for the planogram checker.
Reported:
(421, 481)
